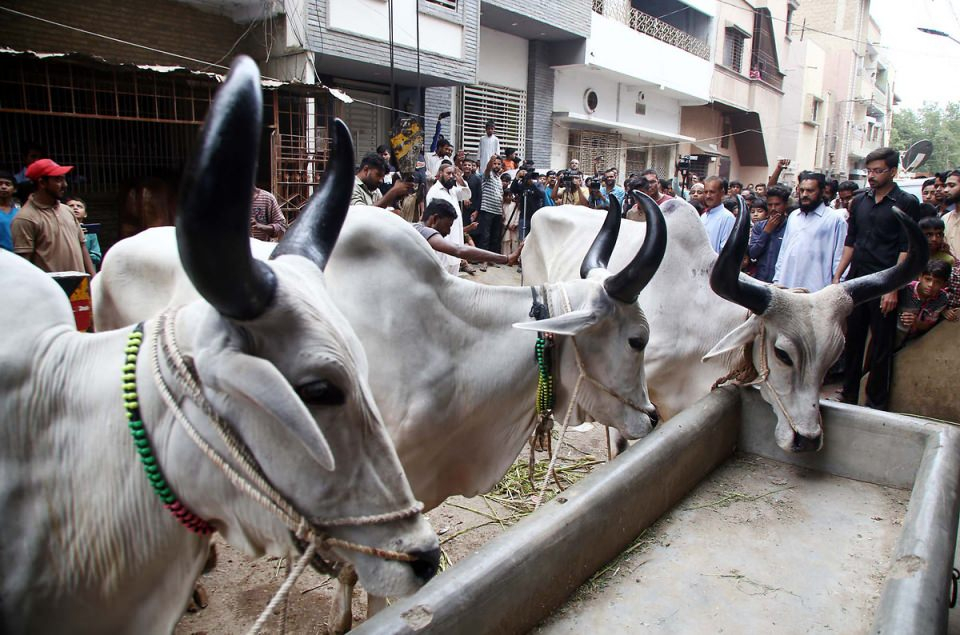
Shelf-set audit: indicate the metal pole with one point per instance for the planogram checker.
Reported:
(393, 83)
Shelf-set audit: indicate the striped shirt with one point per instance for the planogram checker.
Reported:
(491, 197)
(266, 211)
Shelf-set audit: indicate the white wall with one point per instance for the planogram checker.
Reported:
(570, 86)
(619, 48)
(370, 19)
(503, 59)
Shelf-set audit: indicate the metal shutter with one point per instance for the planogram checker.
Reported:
(364, 123)
(506, 106)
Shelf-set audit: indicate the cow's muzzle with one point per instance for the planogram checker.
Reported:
(806, 444)
(426, 563)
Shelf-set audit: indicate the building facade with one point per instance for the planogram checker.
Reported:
(738, 129)
(859, 84)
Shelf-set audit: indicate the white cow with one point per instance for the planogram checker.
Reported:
(455, 382)
(795, 337)
(86, 546)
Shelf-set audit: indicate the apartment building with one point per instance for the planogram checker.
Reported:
(858, 88)
(738, 129)
(619, 95)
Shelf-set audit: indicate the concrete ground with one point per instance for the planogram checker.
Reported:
(758, 547)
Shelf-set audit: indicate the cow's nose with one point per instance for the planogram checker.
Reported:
(806, 444)
(654, 417)
(427, 563)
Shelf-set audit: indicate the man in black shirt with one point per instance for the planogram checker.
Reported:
(875, 241)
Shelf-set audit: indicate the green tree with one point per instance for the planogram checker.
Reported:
(939, 124)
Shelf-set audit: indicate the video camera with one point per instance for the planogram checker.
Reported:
(683, 162)
(566, 179)
(594, 183)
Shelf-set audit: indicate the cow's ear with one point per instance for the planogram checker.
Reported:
(740, 336)
(258, 384)
(566, 324)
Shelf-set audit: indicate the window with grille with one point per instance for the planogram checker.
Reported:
(733, 50)
(446, 4)
(587, 145)
(508, 109)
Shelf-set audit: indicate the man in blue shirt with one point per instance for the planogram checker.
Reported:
(610, 187)
(717, 220)
(813, 241)
(767, 235)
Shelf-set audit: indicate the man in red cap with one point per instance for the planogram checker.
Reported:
(46, 232)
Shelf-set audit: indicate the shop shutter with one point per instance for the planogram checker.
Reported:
(364, 121)
(506, 106)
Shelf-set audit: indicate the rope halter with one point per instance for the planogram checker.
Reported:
(250, 479)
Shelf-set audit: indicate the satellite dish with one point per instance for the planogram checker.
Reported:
(917, 155)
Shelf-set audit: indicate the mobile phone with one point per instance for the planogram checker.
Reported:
(91, 228)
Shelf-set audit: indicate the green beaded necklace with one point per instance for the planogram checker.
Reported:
(543, 351)
(142, 443)
(544, 354)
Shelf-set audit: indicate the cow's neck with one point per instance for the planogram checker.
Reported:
(99, 548)
(491, 380)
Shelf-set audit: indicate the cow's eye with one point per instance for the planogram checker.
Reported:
(321, 393)
(637, 343)
(782, 355)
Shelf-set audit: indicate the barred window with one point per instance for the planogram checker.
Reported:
(506, 106)
(733, 49)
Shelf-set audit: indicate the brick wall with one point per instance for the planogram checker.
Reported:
(159, 24)
(539, 104)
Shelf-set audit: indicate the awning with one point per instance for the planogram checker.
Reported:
(578, 120)
(267, 83)
(748, 135)
(709, 149)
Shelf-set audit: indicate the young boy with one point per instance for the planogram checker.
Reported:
(79, 208)
(933, 228)
(8, 208)
(758, 211)
(922, 302)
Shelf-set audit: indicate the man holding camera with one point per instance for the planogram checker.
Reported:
(529, 195)
(570, 190)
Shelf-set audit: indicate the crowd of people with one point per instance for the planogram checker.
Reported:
(804, 235)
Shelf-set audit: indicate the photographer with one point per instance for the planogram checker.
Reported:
(529, 195)
(570, 190)
(597, 198)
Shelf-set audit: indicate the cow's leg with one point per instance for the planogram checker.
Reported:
(341, 610)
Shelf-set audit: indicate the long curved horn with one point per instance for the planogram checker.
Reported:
(599, 253)
(742, 205)
(627, 285)
(213, 226)
(315, 232)
(726, 280)
(876, 284)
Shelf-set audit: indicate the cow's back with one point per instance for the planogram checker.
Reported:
(33, 304)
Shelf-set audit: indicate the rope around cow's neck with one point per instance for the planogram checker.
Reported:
(581, 376)
(252, 481)
(763, 373)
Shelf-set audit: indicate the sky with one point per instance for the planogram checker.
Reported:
(917, 58)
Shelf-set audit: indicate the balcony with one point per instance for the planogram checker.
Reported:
(647, 24)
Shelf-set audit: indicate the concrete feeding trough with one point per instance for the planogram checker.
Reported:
(836, 561)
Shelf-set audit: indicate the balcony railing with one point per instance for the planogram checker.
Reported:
(622, 12)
